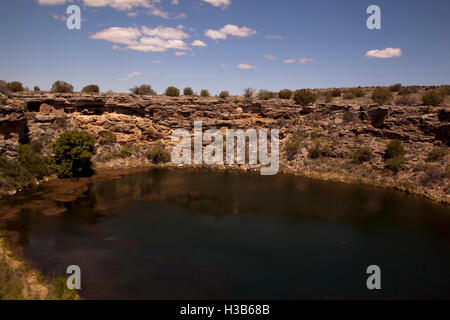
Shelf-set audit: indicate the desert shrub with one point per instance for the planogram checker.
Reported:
(328, 96)
(248, 93)
(29, 156)
(395, 88)
(224, 94)
(265, 94)
(12, 175)
(92, 88)
(406, 101)
(73, 153)
(3, 88)
(336, 92)
(158, 154)
(172, 91)
(394, 149)
(445, 89)
(432, 175)
(188, 91)
(348, 95)
(14, 86)
(204, 93)
(405, 90)
(362, 154)
(292, 146)
(395, 164)
(106, 137)
(143, 90)
(285, 94)
(318, 148)
(359, 92)
(432, 98)
(125, 151)
(36, 89)
(437, 154)
(381, 95)
(304, 96)
(62, 87)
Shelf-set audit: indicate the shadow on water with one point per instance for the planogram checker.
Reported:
(175, 234)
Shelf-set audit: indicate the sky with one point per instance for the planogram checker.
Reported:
(225, 44)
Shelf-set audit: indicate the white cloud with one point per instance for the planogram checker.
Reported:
(290, 60)
(272, 36)
(118, 35)
(219, 3)
(198, 43)
(385, 53)
(157, 61)
(230, 30)
(175, 2)
(159, 13)
(245, 66)
(223, 65)
(180, 16)
(166, 32)
(122, 79)
(268, 56)
(180, 53)
(132, 14)
(119, 4)
(51, 2)
(135, 39)
(306, 60)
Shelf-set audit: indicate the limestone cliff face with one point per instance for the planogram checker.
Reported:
(143, 121)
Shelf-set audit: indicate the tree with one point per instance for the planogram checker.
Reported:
(204, 93)
(224, 94)
(188, 91)
(304, 96)
(62, 87)
(248, 93)
(92, 88)
(36, 89)
(143, 90)
(381, 95)
(285, 94)
(14, 86)
(73, 153)
(172, 91)
(433, 98)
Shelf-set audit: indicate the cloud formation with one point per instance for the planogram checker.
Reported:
(219, 3)
(229, 30)
(269, 57)
(385, 53)
(245, 66)
(198, 43)
(118, 4)
(290, 60)
(306, 60)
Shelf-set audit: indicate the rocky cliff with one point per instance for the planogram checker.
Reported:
(138, 122)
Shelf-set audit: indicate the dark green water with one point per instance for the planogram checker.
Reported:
(202, 235)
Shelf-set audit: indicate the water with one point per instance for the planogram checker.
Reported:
(173, 234)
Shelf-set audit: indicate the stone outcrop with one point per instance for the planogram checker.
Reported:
(145, 120)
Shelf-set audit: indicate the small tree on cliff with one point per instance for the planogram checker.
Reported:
(92, 88)
(73, 153)
(14, 86)
(62, 87)
(143, 90)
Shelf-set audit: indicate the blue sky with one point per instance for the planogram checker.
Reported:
(278, 44)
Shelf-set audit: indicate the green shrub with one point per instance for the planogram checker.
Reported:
(285, 94)
(29, 156)
(204, 93)
(36, 89)
(188, 91)
(381, 95)
(158, 154)
(106, 137)
(125, 151)
(143, 90)
(304, 97)
(437, 154)
(318, 148)
(73, 153)
(336, 92)
(14, 86)
(445, 89)
(3, 88)
(394, 149)
(362, 154)
(328, 96)
(405, 91)
(62, 87)
(395, 164)
(224, 94)
(348, 95)
(172, 91)
(395, 88)
(92, 88)
(12, 175)
(265, 94)
(406, 101)
(432, 98)
(292, 146)
(358, 92)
